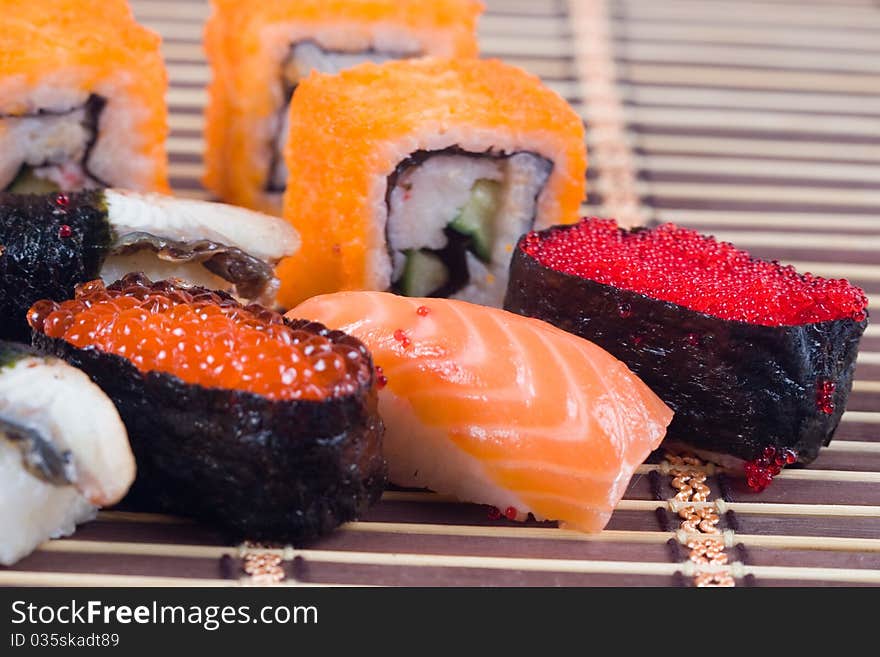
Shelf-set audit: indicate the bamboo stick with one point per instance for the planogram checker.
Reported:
(26, 578)
(759, 99)
(759, 147)
(733, 13)
(790, 220)
(816, 39)
(768, 168)
(728, 55)
(812, 241)
(866, 198)
(414, 560)
(191, 122)
(191, 170)
(857, 446)
(862, 417)
(750, 78)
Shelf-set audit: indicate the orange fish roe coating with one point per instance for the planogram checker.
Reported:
(206, 338)
(246, 43)
(363, 122)
(94, 46)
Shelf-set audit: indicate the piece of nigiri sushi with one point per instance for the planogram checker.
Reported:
(63, 451)
(53, 242)
(500, 409)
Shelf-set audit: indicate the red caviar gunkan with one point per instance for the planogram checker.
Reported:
(182, 365)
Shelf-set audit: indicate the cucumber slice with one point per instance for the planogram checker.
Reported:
(28, 183)
(477, 217)
(423, 274)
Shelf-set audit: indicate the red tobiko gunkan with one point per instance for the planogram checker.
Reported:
(755, 359)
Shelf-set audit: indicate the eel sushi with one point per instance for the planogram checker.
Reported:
(52, 242)
(63, 451)
(265, 427)
(82, 98)
(261, 50)
(499, 409)
(755, 359)
(429, 172)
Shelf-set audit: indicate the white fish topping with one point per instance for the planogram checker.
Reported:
(186, 220)
(64, 407)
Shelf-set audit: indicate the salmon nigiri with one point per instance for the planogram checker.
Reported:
(500, 409)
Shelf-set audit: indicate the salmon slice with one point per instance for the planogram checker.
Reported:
(500, 409)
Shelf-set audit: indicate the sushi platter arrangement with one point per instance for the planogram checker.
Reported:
(449, 293)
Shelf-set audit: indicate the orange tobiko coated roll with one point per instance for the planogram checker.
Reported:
(419, 176)
(82, 97)
(260, 50)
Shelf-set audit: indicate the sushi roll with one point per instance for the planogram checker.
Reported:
(82, 98)
(428, 173)
(52, 242)
(498, 409)
(267, 428)
(755, 359)
(261, 50)
(63, 451)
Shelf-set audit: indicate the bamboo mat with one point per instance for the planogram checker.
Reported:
(757, 121)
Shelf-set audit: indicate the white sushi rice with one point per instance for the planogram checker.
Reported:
(428, 459)
(518, 196)
(33, 511)
(28, 137)
(67, 410)
(428, 197)
(54, 143)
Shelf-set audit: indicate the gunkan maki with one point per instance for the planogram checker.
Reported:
(267, 427)
(53, 242)
(755, 359)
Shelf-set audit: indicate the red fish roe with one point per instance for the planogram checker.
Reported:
(401, 336)
(760, 471)
(205, 338)
(381, 379)
(681, 266)
(65, 231)
(510, 513)
(423, 311)
(825, 396)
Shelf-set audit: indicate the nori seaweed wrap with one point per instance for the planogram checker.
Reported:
(47, 248)
(757, 365)
(50, 243)
(266, 427)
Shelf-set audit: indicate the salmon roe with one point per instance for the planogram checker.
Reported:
(207, 338)
(695, 271)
